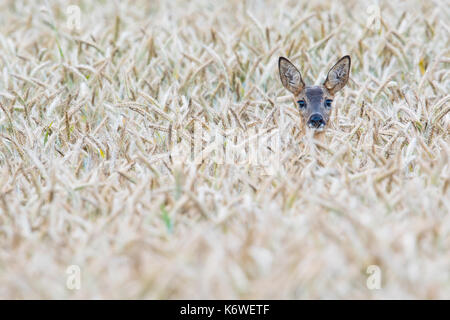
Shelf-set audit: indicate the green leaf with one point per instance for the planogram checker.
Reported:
(47, 132)
(166, 219)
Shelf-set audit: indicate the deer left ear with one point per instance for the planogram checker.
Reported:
(290, 76)
(338, 75)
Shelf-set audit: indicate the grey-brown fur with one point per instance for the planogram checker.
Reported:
(316, 111)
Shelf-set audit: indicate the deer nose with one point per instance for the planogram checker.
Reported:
(316, 121)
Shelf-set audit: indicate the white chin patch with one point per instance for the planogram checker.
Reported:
(319, 129)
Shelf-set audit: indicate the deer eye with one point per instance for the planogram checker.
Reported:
(328, 103)
(301, 104)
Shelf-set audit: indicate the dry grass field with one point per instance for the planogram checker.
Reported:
(99, 179)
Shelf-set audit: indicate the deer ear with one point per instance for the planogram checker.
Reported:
(290, 76)
(338, 75)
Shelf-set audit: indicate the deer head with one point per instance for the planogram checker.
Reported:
(314, 102)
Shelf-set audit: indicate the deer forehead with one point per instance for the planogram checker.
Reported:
(315, 94)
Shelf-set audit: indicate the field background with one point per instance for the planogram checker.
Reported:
(87, 118)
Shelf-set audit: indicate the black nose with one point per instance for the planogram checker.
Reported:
(316, 120)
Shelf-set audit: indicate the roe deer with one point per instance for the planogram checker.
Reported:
(314, 102)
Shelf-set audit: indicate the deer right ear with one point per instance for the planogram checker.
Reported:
(337, 77)
(290, 76)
